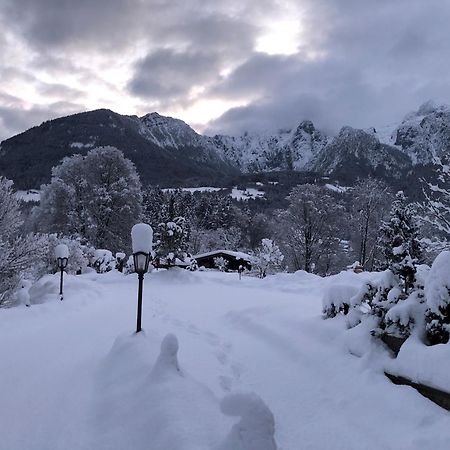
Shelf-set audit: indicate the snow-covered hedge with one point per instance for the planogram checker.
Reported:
(424, 306)
(437, 292)
(103, 261)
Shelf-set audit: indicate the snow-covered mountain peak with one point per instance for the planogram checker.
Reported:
(307, 126)
(283, 150)
(168, 131)
(430, 107)
(425, 134)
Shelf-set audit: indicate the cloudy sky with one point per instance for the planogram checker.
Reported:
(223, 65)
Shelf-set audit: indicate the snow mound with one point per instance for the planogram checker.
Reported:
(167, 362)
(141, 407)
(23, 295)
(429, 365)
(437, 285)
(255, 430)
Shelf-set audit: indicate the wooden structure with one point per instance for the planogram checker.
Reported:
(234, 259)
(437, 396)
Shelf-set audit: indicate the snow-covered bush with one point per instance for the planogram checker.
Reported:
(437, 291)
(337, 299)
(368, 292)
(221, 263)
(406, 311)
(129, 266)
(171, 240)
(193, 266)
(404, 314)
(79, 255)
(103, 261)
(267, 257)
(120, 261)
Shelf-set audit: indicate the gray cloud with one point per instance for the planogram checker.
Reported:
(358, 62)
(169, 74)
(59, 90)
(379, 63)
(17, 117)
(62, 24)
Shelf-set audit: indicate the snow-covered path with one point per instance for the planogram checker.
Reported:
(72, 376)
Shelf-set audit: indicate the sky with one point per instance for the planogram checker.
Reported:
(223, 66)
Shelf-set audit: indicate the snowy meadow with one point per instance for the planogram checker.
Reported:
(222, 363)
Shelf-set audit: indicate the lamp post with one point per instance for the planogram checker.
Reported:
(142, 240)
(62, 258)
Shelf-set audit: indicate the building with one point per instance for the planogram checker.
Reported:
(234, 259)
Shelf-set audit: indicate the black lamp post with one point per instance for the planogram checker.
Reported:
(142, 237)
(62, 258)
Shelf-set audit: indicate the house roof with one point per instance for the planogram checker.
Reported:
(237, 255)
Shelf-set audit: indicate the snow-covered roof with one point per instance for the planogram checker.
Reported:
(237, 255)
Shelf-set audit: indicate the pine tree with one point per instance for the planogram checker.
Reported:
(400, 241)
(172, 239)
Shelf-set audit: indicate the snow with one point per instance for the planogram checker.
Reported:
(338, 295)
(222, 364)
(23, 295)
(255, 430)
(437, 285)
(80, 145)
(61, 251)
(246, 194)
(339, 189)
(238, 194)
(142, 238)
(405, 310)
(31, 195)
(195, 189)
(415, 360)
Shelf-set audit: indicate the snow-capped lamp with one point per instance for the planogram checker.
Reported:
(142, 241)
(62, 258)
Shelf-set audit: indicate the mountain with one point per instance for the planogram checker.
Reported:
(166, 151)
(354, 154)
(169, 152)
(285, 150)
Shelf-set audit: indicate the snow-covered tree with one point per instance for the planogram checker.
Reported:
(310, 228)
(18, 254)
(203, 240)
(171, 240)
(400, 242)
(96, 197)
(267, 257)
(369, 206)
(434, 211)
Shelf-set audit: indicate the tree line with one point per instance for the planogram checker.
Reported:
(92, 201)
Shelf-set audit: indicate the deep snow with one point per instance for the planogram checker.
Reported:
(222, 363)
